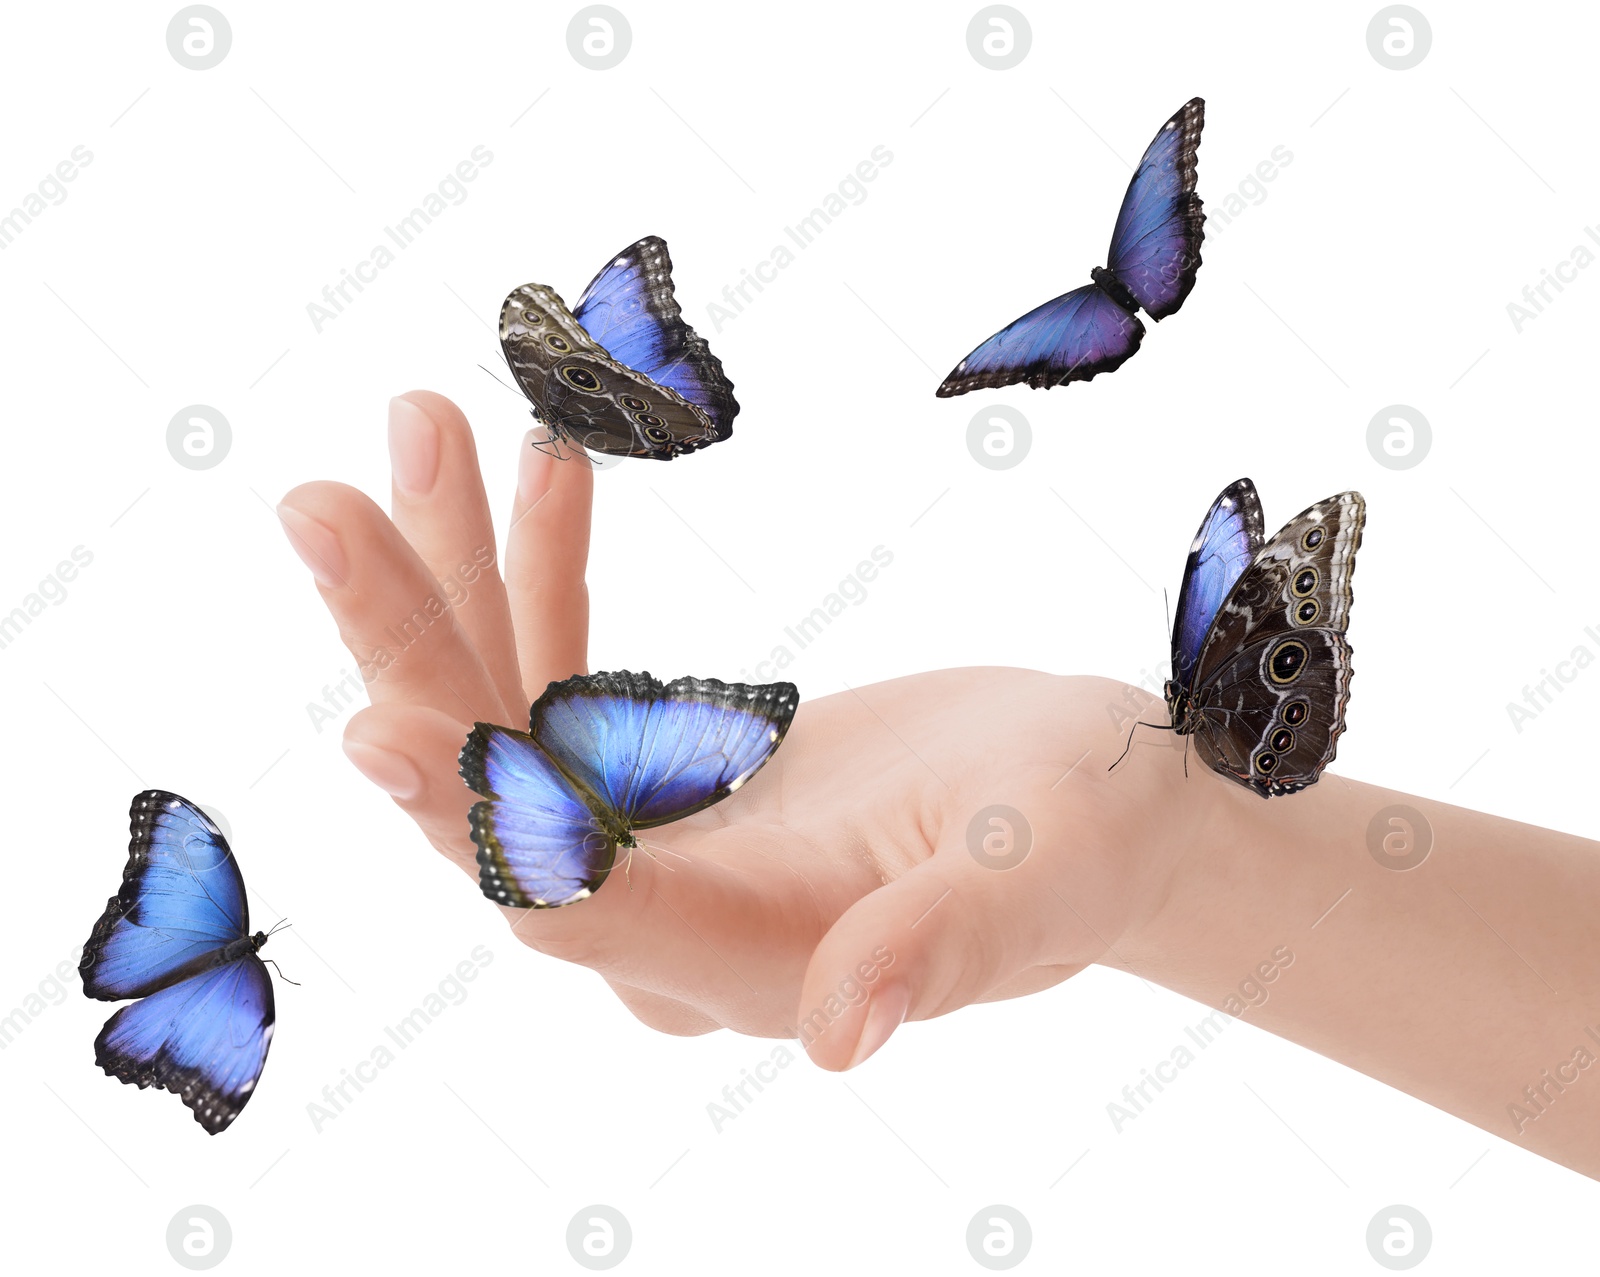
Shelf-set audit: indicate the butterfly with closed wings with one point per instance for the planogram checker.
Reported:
(1154, 256)
(621, 372)
(177, 937)
(1260, 662)
(604, 755)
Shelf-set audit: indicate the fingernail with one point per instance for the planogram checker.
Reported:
(317, 545)
(413, 448)
(393, 773)
(533, 474)
(886, 1011)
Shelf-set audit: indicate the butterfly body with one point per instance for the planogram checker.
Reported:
(621, 372)
(1151, 265)
(1261, 666)
(176, 936)
(607, 755)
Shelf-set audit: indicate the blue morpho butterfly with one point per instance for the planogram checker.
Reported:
(1155, 252)
(177, 937)
(621, 372)
(1260, 663)
(605, 755)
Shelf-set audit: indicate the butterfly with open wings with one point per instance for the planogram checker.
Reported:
(177, 937)
(1154, 255)
(605, 755)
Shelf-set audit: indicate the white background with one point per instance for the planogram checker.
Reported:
(1376, 270)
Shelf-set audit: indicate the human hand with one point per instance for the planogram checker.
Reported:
(846, 887)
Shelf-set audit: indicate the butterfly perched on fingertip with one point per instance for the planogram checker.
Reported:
(1152, 262)
(621, 372)
(177, 937)
(605, 755)
(1260, 662)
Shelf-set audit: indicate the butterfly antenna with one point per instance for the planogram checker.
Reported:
(281, 976)
(1160, 727)
(279, 925)
(1167, 603)
(503, 382)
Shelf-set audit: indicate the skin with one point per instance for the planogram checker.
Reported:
(839, 893)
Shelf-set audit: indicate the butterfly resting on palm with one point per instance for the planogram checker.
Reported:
(606, 755)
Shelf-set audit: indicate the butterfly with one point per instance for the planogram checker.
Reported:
(1260, 663)
(605, 755)
(621, 372)
(177, 937)
(1155, 253)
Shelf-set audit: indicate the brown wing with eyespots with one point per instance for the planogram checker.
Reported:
(1273, 678)
(592, 399)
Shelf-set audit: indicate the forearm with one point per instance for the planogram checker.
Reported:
(1471, 980)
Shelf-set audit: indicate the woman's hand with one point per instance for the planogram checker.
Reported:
(864, 876)
(859, 879)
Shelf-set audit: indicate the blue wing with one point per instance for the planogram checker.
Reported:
(629, 308)
(1228, 541)
(182, 899)
(204, 1038)
(1073, 338)
(650, 753)
(538, 843)
(1155, 250)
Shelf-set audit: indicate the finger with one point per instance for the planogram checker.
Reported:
(547, 550)
(391, 611)
(410, 752)
(440, 507)
(949, 932)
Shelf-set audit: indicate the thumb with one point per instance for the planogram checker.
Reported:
(953, 930)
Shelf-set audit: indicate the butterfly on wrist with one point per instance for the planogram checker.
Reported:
(1260, 663)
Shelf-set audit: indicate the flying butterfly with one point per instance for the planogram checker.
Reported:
(1154, 256)
(621, 372)
(1260, 662)
(177, 937)
(605, 755)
